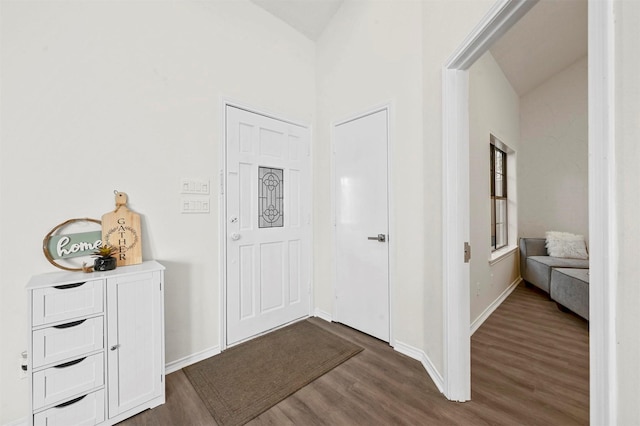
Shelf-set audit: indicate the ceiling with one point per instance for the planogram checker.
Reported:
(310, 17)
(549, 38)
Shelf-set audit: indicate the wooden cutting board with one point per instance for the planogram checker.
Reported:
(121, 229)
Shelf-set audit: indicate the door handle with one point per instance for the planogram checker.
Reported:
(69, 324)
(66, 286)
(70, 363)
(381, 238)
(235, 236)
(73, 401)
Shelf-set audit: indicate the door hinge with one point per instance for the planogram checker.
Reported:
(467, 252)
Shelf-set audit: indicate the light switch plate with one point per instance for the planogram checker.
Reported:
(195, 205)
(194, 186)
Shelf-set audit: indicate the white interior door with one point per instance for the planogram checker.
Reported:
(268, 215)
(362, 249)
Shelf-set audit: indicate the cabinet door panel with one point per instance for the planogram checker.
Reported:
(134, 349)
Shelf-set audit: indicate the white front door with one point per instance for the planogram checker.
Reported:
(362, 249)
(268, 215)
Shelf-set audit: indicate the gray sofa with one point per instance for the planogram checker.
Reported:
(569, 290)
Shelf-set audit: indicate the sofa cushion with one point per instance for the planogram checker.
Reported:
(561, 262)
(538, 269)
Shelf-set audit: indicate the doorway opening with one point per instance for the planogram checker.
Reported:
(457, 374)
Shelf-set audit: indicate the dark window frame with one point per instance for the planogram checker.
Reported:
(501, 184)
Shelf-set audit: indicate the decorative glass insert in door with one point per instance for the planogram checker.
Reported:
(270, 197)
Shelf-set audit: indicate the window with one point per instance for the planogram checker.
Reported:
(499, 203)
(270, 197)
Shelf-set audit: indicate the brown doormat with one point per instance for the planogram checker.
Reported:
(246, 380)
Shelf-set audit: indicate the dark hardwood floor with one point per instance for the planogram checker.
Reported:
(530, 366)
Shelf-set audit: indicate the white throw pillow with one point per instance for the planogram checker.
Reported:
(565, 244)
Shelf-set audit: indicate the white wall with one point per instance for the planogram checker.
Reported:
(98, 96)
(445, 24)
(627, 147)
(373, 53)
(553, 162)
(369, 55)
(494, 108)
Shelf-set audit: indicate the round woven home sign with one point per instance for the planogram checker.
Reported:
(70, 244)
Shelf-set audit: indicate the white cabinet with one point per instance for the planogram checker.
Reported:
(134, 339)
(96, 345)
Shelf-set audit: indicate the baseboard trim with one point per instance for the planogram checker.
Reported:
(419, 355)
(475, 325)
(191, 359)
(323, 315)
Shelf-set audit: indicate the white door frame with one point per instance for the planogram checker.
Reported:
(388, 107)
(457, 348)
(222, 208)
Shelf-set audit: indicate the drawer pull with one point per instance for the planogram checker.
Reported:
(73, 401)
(67, 286)
(70, 363)
(69, 324)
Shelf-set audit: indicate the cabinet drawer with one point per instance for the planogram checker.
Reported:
(68, 301)
(83, 411)
(64, 380)
(65, 341)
